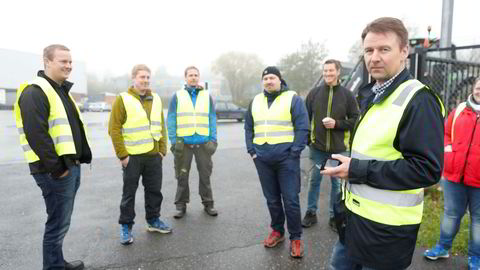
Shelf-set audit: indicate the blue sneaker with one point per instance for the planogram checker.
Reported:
(436, 252)
(126, 237)
(473, 263)
(157, 225)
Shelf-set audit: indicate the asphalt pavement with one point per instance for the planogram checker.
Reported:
(232, 240)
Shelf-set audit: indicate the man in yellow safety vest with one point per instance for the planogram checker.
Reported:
(138, 135)
(397, 150)
(54, 141)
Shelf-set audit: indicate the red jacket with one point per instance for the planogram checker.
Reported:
(463, 162)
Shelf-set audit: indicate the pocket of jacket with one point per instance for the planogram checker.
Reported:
(449, 160)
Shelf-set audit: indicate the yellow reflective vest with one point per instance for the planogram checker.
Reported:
(58, 125)
(190, 119)
(138, 131)
(273, 125)
(373, 140)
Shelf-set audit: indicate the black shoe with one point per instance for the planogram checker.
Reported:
(309, 219)
(74, 265)
(179, 213)
(211, 211)
(332, 224)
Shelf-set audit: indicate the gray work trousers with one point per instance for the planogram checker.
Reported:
(183, 161)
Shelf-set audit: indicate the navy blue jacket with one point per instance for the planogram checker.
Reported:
(277, 152)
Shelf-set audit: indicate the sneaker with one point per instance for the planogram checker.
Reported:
(74, 265)
(309, 219)
(273, 239)
(157, 225)
(296, 248)
(126, 237)
(211, 211)
(436, 252)
(473, 263)
(332, 224)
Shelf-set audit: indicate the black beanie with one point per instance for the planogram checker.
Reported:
(272, 70)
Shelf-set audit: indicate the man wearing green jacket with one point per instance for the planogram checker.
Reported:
(138, 135)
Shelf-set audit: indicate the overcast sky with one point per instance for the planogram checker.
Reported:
(112, 36)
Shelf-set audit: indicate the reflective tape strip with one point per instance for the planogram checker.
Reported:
(361, 156)
(133, 130)
(156, 134)
(394, 198)
(62, 139)
(156, 123)
(26, 148)
(403, 96)
(185, 114)
(192, 126)
(274, 134)
(133, 143)
(185, 126)
(192, 114)
(58, 121)
(274, 123)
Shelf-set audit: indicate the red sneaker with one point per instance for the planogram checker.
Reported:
(273, 239)
(296, 248)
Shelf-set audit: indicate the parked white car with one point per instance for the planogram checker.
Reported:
(99, 107)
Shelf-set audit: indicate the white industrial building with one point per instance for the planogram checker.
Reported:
(17, 67)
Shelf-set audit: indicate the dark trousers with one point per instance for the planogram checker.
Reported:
(59, 196)
(183, 162)
(149, 167)
(281, 182)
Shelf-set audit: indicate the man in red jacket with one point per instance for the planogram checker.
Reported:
(461, 182)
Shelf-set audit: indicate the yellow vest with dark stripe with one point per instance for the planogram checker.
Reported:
(191, 120)
(58, 125)
(273, 125)
(138, 132)
(374, 141)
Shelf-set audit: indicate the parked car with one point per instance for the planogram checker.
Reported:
(99, 107)
(228, 110)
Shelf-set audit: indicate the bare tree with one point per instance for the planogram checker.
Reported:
(302, 68)
(241, 70)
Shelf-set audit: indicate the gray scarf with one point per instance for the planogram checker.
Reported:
(471, 102)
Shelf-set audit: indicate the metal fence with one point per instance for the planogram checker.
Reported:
(450, 72)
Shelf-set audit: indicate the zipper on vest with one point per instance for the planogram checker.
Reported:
(468, 150)
(329, 111)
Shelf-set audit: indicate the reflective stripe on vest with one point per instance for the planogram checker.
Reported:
(273, 125)
(58, 126)
(374, 141)
(138, 131)
(190, 119)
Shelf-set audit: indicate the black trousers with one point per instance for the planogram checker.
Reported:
(149, 167)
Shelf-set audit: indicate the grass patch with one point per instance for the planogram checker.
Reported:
(429, 232)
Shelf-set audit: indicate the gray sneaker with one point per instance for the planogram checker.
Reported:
(309, 219)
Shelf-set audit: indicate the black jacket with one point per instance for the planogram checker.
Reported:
(344, 110)
(35, 110)
(420, 140)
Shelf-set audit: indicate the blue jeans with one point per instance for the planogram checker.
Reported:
(340, 260)
(317, 157)
(457, 197)
(281, 181)
(59, 196)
